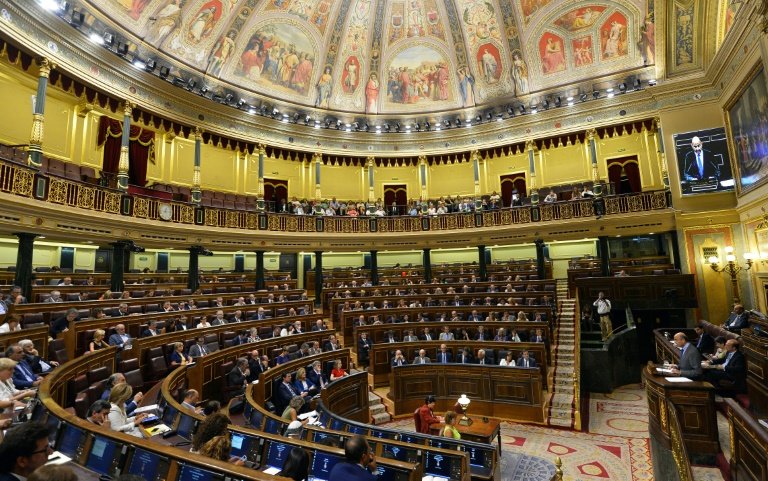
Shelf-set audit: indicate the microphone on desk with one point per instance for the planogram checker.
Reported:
(169, 434)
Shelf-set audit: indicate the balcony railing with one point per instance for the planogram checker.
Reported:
(22, 181)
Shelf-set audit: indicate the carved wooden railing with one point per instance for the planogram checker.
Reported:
(22, 181)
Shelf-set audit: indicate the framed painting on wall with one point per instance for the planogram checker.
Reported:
(747, 123)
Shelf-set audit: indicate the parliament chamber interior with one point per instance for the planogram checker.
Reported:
(484, 240)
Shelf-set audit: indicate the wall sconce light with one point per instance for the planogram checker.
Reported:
(732, 268)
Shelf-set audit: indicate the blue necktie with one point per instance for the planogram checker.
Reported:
(727, 359)
(27, 372)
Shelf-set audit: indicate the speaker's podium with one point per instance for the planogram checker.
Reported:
(694, 409)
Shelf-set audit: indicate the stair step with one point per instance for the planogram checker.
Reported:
(373, 398)
(377, 408)
(381, 418)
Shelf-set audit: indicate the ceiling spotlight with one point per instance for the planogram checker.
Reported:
(217, 98)
(595, 94)
(355, 125)
(338, 124)
(609, 90)
(417, 126)
(479, 118)
(499, 117)
(77, 19)
(489, 116)
(203, 89)
(521, 109)
(122, 49)
(457, 122)
(252, 110)
(558, 101)
(636, 84)
(229, 98)
(447, 123)
(397, 126)
(263, 109)
(307, 119)
(240, 103)
(164, 71)
(51, 5)
(191, 84)
(511, 111)
(426, 125)
(545, 104)
(652, 82)
(583, 97)
(137, 63)
(327, 123)
(366, 127)
(387, 127)
(295, 117)
(151, 65)
(622, 87)
(108, 39)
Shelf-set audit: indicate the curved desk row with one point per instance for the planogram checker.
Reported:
(381, 355)
(102, 451)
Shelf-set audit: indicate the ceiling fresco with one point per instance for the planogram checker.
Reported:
(389, 56)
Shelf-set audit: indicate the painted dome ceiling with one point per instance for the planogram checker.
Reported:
(388, 56)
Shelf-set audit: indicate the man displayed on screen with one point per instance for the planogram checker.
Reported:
(700, 163)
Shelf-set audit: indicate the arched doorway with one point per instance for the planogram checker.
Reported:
(511, 183)
(274, 191)
(624, 175)
(397, 194)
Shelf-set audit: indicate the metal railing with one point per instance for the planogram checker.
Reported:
(22, 181)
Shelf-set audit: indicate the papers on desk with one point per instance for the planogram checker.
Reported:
(159, 429)
(144, 409)
(311, 414)
(664, 370)
(271, 471)
(678, 379)
(58, 458)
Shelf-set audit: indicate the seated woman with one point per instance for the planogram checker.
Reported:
(338, 372)
(508, 360)
(178, 358)
(302, 384)
(291, 412)
(10, 397)
(522, 316)
(98, 313)
(220, 447)
(106, 296)
(449, 430)
(118, 420)
(12, 324)
(215, 424)
(352, 211)
(98, 341)
(551, 197)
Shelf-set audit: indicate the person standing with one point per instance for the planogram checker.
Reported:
(690, 359)
(603, 306)
(426, 416)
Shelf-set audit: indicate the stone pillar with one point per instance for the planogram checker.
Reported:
(475, 155)
(423, 176)
(119, 254)
(23, 275)
(605, 256)
(530, 147)
(371, 162)
(318, 159)
(262, 156)
(427, 266)
(482, 264)
(675, 250)
(195, 190)
(260, 270)
(597, 188)
(124, 162)
(318, 278)
(540, 259)
(375, 268)
(193, 277)
(662, 154)
(35, 159)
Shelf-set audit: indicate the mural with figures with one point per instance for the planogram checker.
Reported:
(419, 75)
(278, 56)
(395, 56)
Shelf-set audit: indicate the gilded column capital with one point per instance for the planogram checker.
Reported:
(370, 161)
(198, 133)
(656, 124)
(422, 159)
(591, 134)
(475, 155)
(530, 145)
(45, 67)
(262, 149)
(127, 108)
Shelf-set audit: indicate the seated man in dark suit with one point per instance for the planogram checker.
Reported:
(390, 337)
(690, 359)
(738, 320)
(255, 367)
(443, 355)
(399, 360)
(286, 391)
(283, 357)
(316, 375)
(482, 358)
(151, 330)
(360, 463)
(332, 344)
(465, 357)
(62, 324)
(239, 374)
(525, 360)
(705, 343)
(730, 370)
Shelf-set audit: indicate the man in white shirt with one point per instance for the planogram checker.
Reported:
(55, 297)
(603, 306)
